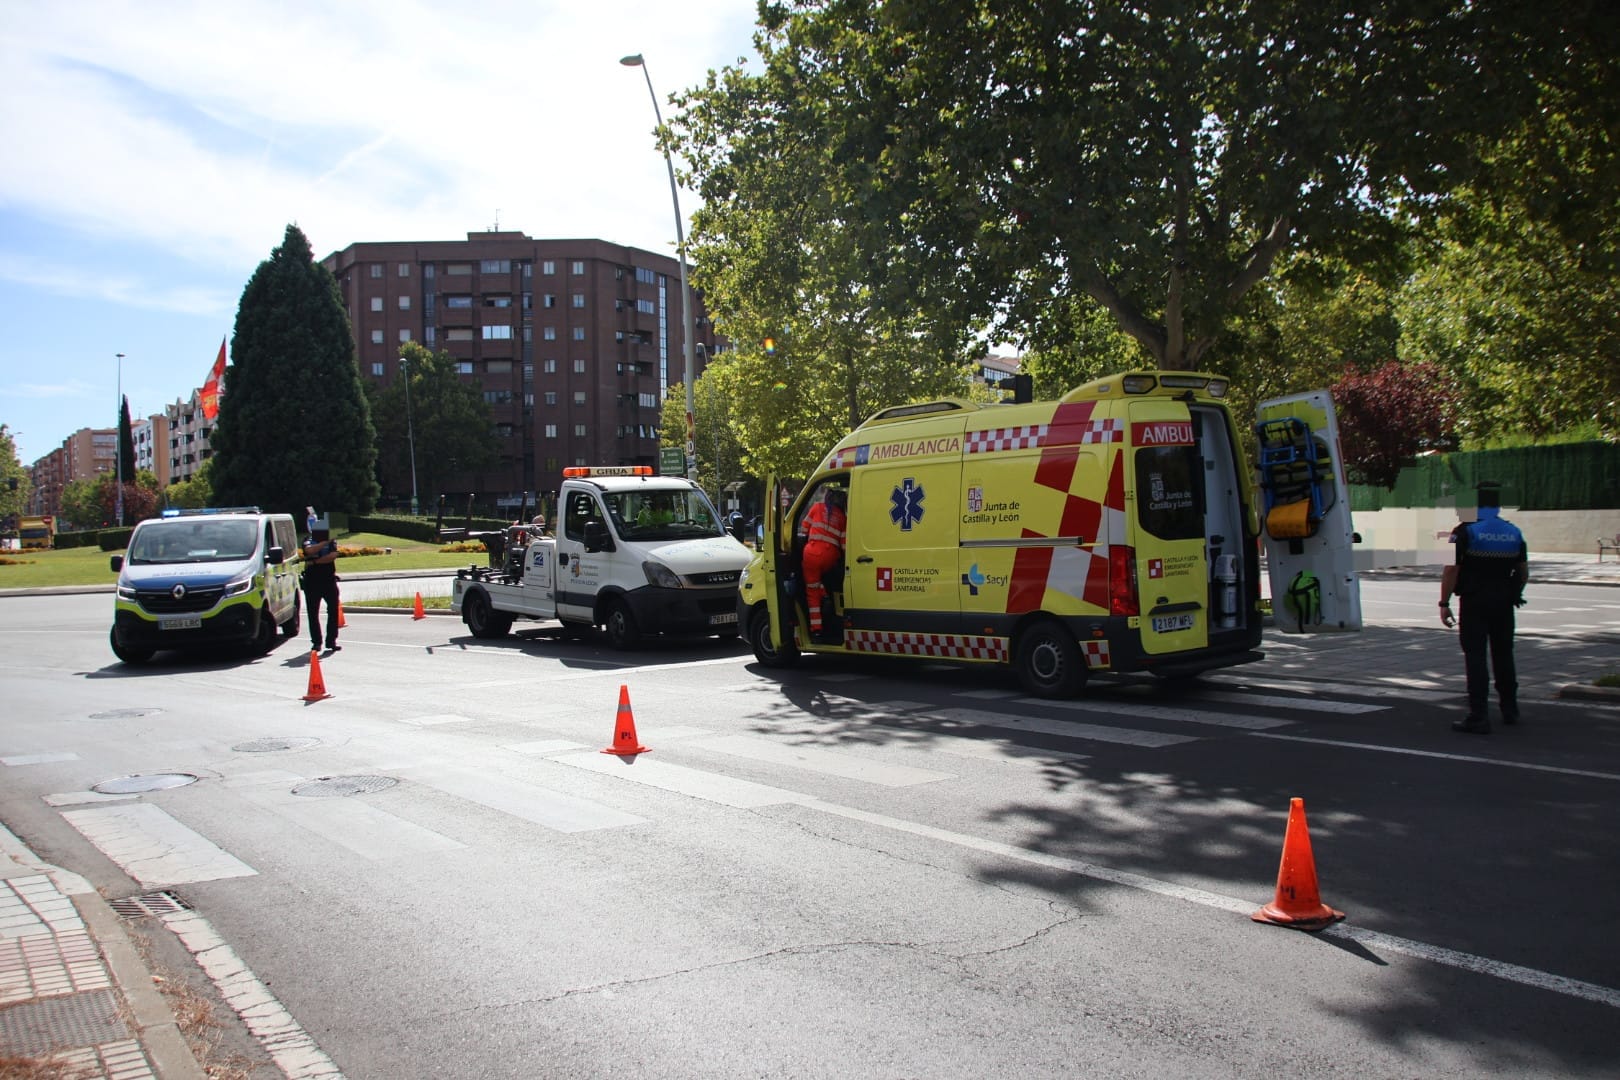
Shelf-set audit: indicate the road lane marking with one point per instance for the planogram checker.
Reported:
(1444, 756)
(1380, 689)
(38, 759)
(1532, 977)
(531, 802)
(154, 848)
(924, 713)
(695, 783)
(815, 759)
(352, 824)
(1307, 704)
(1163, 712)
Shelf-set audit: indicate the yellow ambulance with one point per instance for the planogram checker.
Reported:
(1114, 530)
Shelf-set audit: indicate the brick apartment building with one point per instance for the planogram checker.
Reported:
(83, 454)
(572, 342)
(187, 432)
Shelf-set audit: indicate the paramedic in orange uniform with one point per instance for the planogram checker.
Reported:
(824, 544)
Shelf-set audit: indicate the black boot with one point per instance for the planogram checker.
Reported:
(1472, 725)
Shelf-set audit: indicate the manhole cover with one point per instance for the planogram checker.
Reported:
(152, 903)
(130, 785)
(323, 787)
(265, 746)
(124, 714)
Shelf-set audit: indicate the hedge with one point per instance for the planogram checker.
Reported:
(418, 528)
(1566, 476)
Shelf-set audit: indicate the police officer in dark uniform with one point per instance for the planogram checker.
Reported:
(1490, 573)
(321, 582)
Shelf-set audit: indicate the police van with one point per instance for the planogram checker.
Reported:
(195, 578)
(1114, 530)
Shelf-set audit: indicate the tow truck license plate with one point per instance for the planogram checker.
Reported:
(1164, 623)
(723, 620)
(183, 622)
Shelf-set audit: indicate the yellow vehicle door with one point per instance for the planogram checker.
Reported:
(1165, 519)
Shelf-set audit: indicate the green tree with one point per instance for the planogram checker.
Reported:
(90, 502)
(126, 441)
(447, 418)
(15, 484)
(720, 455)
(195, 492)
(293, 428)
(1158, 159)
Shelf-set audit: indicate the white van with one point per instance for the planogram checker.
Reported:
(196, 578)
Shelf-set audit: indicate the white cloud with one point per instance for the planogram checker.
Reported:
(63, 280)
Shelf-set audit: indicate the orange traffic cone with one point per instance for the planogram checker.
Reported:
(317, 685)
(625, 743)
(342, 622)
(417, 612)
(1298, 903)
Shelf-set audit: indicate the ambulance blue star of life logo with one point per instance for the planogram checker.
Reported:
(907, 508)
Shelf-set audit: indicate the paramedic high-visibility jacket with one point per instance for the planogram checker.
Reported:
(824, 544)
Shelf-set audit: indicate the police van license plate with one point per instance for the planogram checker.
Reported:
(1165, 623)
(726, 619)
(183, 622)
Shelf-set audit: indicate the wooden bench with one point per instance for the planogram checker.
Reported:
(1605, 544)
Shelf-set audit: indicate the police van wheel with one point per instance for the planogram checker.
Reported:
(621, 626)
(129, 654)
(265, 638)
(759, 636)
(290, 627)
(1048, 662)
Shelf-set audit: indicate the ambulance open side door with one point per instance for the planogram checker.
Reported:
(1305, 515)
(776, 546)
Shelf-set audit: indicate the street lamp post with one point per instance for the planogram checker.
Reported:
(680, 250)
(410, 428)
(118, 454)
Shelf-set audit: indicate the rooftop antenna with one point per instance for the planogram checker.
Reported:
(497, 226)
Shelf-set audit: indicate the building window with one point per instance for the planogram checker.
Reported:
(497, 333)
(458, 302)
(458, 269)
(497, 397)
(645, 276)
(579, 397)
(498, 367)
(404, 303)
(579, 431)
(550, 300)
(458, 333)
(579, 365)
(549, 366)
(427, 271)
(645, 307)
(503, 431)
(579, 333)
(548, 267)
(376, 303)
(464, 367)
(404, 336)
(650, 401)
(576, 267)
(430, 336)
(404, 269)
(551, 397)
(551, 431)
(376, 270)
(495, 266)
(579, 299)
(550, 333)
(376, 367)
(376, 337)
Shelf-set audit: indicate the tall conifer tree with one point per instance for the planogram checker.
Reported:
(294, 429)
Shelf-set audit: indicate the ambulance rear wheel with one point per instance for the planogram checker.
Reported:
(759, 636)
(129, 654)
(1048, 661)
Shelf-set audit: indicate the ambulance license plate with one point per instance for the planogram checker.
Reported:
(1166, 623)
(728, 618)
(183, 622)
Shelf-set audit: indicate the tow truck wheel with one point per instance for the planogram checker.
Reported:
(1048, 661)
(290, 627)
(759, 636)
(621, 626)
(129, 654)
(481, 618)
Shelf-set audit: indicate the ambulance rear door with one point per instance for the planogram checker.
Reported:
(1305, 515)
(1165, 515)
(775, 543)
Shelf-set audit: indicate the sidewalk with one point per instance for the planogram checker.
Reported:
(1557, 568)
(76, 998)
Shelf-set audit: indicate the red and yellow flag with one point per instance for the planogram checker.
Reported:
(210, 390)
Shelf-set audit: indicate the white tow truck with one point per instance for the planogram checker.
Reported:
(633, 553)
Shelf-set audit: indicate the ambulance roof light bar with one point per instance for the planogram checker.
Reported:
(582, 471)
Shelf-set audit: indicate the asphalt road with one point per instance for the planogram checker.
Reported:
(848, 869)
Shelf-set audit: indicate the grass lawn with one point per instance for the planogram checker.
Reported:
(88, 566)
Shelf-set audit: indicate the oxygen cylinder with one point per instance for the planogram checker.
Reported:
(1227, 593)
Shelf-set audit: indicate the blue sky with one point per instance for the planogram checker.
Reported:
(156, 151)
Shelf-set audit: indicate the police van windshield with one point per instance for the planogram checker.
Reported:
(662, 515)
(193, 542)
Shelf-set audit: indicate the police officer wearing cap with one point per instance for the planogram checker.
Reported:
(321, 582)
(1490, 574)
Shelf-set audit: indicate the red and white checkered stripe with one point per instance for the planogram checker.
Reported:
(841, 459)
(1096, 653)
(1104, 431)
(952, 646)
(1015, 438)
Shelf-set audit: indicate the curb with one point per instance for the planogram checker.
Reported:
(1602, 695)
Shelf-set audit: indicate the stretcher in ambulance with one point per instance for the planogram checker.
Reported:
(1114, 530)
